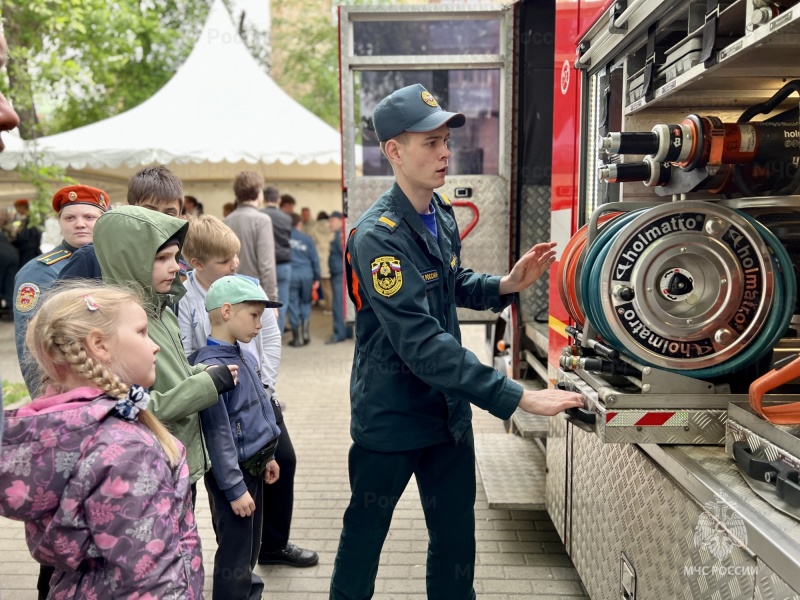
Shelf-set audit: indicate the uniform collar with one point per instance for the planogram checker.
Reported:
(64, 244)
(410, 215)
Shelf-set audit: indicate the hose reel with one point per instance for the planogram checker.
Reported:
(691, 287)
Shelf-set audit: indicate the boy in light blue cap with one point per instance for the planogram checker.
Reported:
(241, 436)
(412, 382)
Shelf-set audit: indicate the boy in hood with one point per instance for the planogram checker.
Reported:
(137, 246)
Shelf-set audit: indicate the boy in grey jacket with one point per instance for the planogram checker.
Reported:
(241, 436)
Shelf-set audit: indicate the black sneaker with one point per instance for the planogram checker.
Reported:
(291, 556)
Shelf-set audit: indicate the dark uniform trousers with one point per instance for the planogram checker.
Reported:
(445, 475)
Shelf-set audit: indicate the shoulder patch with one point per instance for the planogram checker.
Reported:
(54, 257)
(388, 220)
(387, 276)
(27, 297)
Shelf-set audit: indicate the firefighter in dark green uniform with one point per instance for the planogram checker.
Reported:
(78, 207)
(412, 381)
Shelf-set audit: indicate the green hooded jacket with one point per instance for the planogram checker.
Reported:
(126, 241)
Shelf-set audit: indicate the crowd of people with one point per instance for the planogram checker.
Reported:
(151, 344)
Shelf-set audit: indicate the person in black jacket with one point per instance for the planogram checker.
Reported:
(27, 239)
(281, 231)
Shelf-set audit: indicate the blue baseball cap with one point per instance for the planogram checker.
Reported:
(412, 108)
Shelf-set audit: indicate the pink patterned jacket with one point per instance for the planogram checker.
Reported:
(100, 501)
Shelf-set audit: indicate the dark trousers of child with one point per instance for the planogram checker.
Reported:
(279, 497)
(238, 541)
(445, 475)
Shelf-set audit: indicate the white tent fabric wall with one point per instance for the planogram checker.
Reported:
(220, 114)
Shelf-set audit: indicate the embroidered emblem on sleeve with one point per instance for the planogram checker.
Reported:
(386, 275)
(453, 262)
(27, 297)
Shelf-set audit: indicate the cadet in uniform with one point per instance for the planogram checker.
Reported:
(412, 381)
(78, 208)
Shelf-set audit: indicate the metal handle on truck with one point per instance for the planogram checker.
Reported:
(578, 416)
(783, 478)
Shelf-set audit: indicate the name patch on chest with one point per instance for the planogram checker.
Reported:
(431, 276)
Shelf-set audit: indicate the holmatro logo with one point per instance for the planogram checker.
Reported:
(719, 529)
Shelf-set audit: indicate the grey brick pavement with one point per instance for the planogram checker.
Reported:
(519, 554)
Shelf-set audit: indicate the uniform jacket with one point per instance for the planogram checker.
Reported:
(126, 240)
(82, 265)
(305, 262)
(412, 382)
(335, 263)
(100, 501)
(282, 230)
(241, 423)
(257, 254)
(195, 329)
(32, 280)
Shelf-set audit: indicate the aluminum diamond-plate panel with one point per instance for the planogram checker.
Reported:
(485, 249)
(512, 471)
(534, 227)
(722, 468)
(769, 586)
(622, 502)
(557, 474)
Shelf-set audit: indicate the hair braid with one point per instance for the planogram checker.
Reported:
(89, 369)
(56, 338)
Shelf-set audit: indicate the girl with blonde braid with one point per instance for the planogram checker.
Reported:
(102, 486)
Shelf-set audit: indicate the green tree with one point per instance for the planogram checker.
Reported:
(305, 60)
(85, 60)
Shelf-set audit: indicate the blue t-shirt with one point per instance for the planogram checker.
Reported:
(430, 222)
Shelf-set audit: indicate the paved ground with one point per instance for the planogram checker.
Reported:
(519, 554)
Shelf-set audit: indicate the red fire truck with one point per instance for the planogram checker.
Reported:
(658, 143)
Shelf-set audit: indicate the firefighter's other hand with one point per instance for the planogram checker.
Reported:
(272, 472)
(529, 268)
(549, 402)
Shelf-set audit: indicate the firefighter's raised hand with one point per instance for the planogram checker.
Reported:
(529, 268)
(549, 402)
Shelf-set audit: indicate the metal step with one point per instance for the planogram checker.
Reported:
(526, 424)
(512, 471)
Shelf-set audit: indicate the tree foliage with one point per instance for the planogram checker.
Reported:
(74, 62)
(305, 46)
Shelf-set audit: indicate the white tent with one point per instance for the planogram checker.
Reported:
(220, 114)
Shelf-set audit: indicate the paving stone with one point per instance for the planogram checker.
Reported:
(519, 554)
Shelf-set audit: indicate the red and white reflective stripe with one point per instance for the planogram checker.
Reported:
(647, 418)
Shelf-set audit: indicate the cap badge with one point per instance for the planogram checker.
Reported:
(428, 99)
(102, 200)
(72, 196)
